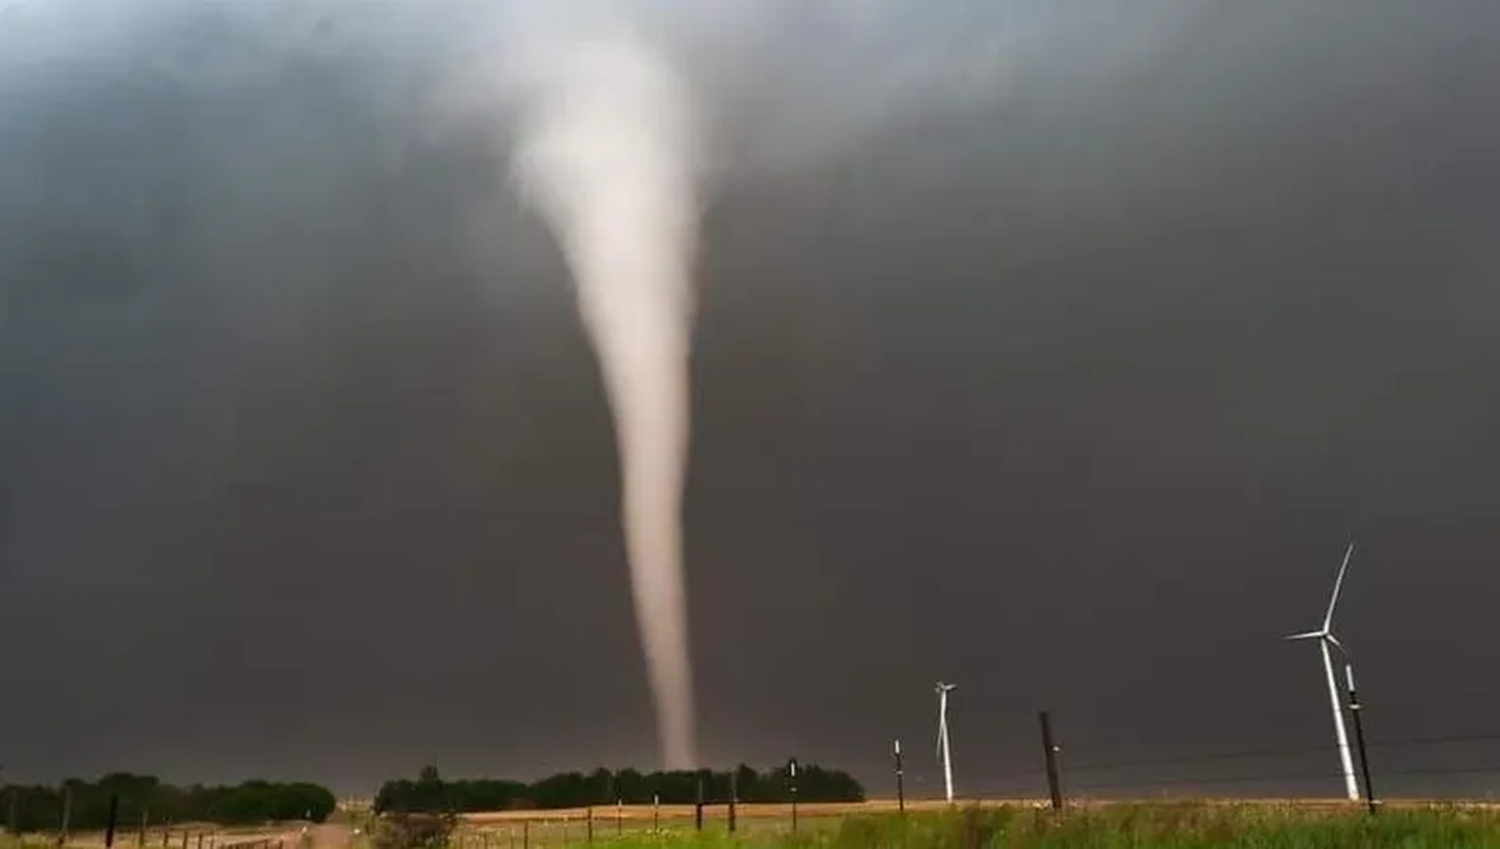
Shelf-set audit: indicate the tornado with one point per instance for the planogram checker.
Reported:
(606, 153)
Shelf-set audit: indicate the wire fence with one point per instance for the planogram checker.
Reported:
(1401, 767)
(1456, 767)
(1312, 774)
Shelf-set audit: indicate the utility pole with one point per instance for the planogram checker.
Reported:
(734, 796)
(67, 815)
(13, 815)
(900, 778)
(698, 806)
(792, 775)
(109, 825)
(1355, 711)
(1049, 749)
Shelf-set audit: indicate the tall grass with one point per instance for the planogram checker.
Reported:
(1174, 826)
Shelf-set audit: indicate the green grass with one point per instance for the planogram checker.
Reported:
(1168, 826)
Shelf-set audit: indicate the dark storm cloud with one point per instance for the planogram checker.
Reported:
(1069, 390)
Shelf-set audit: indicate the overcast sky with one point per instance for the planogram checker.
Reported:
(1050, 350)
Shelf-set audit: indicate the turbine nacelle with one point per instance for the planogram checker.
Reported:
(1326, 636)
(1325, 633)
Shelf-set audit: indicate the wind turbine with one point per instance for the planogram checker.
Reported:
(1324, 636)
(943, 751)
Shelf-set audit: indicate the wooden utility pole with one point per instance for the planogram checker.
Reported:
(900, 778)
(1356, 711)
(1049, 751)
(13, 815)
(67, 815)
(792, 776)
(698, 806)
(109, 824)
(734, 796)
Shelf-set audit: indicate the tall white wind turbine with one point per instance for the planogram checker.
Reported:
(944, 752)
(1326, 639)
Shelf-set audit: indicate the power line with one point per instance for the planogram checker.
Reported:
(1101, 766)
(1233, 779)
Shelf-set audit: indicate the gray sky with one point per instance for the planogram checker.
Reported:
(1068, 385)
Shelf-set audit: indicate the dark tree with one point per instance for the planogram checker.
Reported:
(431, 794)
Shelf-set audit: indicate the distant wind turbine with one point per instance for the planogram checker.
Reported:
(944, 752)
(1324, 636)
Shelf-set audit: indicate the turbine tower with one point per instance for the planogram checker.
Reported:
(945, 753)
(1326, 639)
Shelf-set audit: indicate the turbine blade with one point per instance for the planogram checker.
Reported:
(1335, 640)
(1338, 584)
(1305, 635)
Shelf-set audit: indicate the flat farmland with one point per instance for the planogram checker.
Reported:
(1290, 823)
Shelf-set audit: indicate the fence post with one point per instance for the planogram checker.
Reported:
(140, 836)
(525, 834)
(1049, 750)
(619, 816)
(166, 835)
(185, 837)
(656, 812)
(13, 815)
(590, 821)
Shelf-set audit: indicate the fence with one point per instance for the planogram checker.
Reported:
(1400, 768)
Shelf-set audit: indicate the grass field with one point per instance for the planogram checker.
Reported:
(1186, 825)
(1017, 825)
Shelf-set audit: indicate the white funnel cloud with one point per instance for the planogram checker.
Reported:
(607, 153)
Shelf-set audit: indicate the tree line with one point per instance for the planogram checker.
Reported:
(431, 793)
(146, 798)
